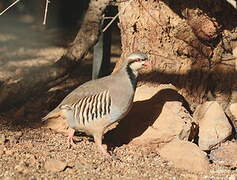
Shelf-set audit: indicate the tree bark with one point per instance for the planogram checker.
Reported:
(188, 43)
(16, 93)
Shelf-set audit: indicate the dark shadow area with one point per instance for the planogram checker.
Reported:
(142, 115)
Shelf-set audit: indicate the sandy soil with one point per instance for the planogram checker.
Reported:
(25, 148)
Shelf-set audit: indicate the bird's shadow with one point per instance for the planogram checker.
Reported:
(142, 115)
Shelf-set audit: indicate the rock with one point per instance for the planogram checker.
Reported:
(214, 126)
(2, 139)
(13, 139)
(173, 121)
(233, 177)
(31, 158)
(145, 92)
(233, 110)
(234, 48)
(225, 155)
(158, 115)
(191, 176)
(19, 134)
(54, 165)
(9, 152)
(22, 167)
(2, 152)
(185, 155)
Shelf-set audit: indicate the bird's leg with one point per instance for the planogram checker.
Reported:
(70, 141)
(98, 142)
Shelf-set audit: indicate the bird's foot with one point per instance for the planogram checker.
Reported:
(71, 142)
(107, 155)
(115, 158)
(103, 151)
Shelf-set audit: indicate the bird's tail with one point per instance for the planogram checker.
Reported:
(53, 114)
(55, 121)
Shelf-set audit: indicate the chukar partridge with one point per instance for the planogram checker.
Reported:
(97, 104)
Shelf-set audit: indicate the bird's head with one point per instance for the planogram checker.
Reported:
(137, 61)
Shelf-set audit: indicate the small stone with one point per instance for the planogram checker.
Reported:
(22, 167)
(2, 139)
(54, 165)
(31, 158)
(232, 177)
(9, 152)
(13, 139)
(19, 134)
(192, 176)
(2, 152)
(2, 149)
(214, 127)
(8, 178)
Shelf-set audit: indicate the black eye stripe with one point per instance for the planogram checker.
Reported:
(138, 59)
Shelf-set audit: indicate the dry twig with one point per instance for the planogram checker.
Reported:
(106, 27)
(9, 7)
(46, 11)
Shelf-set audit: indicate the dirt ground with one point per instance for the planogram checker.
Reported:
(25, 146)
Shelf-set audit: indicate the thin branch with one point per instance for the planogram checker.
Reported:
(107, 26)
(46, 11)
(108, 17)
(9, 7)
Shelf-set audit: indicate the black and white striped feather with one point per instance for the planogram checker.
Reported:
(90, 108)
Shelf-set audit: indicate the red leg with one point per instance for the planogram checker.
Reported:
(98, 142)
(70, 141)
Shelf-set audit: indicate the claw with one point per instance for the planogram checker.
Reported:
(103, 151)
(70, 142)
(98, 142)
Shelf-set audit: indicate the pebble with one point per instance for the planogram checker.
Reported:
(232, 177)
(22, 167)
(1, 152)
(13, 139)
(2, 139)
(9, 152)
(19, 134)
(55, 165)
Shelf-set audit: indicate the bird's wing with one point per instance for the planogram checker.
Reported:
(87, 89)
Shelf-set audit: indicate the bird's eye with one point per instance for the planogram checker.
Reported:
(139, 60)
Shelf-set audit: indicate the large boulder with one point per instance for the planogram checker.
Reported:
(185, 155)
(158, 115)
(214, 126)
(173, 121)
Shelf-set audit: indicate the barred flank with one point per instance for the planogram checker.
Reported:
(92, 107)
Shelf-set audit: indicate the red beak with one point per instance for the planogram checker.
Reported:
(147, 63)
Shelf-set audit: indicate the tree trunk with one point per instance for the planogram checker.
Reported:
(189, 43)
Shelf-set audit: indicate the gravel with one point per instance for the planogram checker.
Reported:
(26, 159)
